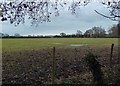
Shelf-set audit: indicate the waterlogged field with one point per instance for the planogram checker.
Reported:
(39, 43)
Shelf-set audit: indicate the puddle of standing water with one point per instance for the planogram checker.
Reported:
(70, 44)
(56, 43)
(75, 45)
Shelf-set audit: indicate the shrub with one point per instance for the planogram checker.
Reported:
(95, 68)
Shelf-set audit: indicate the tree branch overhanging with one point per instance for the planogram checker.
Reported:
(114, 11)
(37, 11)
(110, 17)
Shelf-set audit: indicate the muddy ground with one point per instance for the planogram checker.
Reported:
(34, 67)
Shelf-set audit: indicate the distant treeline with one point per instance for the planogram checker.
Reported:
(95, 32)
(56, 36)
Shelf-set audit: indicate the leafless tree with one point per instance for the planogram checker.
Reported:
(95, 32)
(38, 11)
(62, 34)
(78, 33)
(88, 33)
(114, 9)
(113, 31)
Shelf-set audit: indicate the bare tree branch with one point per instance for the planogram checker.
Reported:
(114, 11)
(37, 11)
(110, 17)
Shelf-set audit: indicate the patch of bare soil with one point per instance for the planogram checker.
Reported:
(34, 67)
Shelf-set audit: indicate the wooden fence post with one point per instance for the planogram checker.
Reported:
(53, 67)
(110, 64)
(119, 43)
(111, 55)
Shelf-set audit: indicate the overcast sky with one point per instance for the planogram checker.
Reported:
(86, 18)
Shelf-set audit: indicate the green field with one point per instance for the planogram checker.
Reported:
(39, 43)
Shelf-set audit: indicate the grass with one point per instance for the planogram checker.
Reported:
(14, 44)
